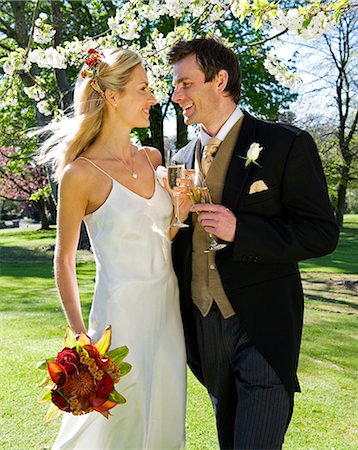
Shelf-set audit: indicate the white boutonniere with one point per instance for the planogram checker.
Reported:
(252, 154)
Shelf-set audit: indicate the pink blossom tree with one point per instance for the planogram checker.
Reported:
(23, 180)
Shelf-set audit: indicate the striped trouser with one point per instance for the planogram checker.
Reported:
(252, 406)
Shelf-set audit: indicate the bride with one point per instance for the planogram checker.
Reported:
(111, 185)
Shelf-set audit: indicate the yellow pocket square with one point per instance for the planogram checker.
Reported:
(258, 186)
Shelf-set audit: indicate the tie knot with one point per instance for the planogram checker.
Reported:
(211, 147)
(208, 154)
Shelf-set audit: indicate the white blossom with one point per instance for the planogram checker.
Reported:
(280, 71)
(240, 9)
(294, 19)
(44, 107)
(50, 58)
(279, 22)
(16, 63)
(43, 38)
(10, 99)
(316, 27)
(43, 32)
(35, 92)
(125, 24)
(8, 68)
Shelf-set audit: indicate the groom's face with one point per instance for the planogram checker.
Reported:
(193, 94)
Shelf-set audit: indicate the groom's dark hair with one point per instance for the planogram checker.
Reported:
(212, 56)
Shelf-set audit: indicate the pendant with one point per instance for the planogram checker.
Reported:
(134, 174)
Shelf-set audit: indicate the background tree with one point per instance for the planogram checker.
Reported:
(26, 182)
(333, 107)
(44, 43)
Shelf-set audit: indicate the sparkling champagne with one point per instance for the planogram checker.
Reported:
(174, 172)
(199, 194)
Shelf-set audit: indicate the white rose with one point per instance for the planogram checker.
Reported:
(254, 151)
(161, 174)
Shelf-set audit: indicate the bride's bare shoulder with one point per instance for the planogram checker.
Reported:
(154, 155)
(78, 175)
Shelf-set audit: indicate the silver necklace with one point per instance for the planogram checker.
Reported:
(132, 171)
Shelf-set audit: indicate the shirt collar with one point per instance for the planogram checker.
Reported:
(224, 130)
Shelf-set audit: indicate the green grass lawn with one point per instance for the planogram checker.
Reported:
(32, 327)
(345, 258)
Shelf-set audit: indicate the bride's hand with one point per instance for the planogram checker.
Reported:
(184, 196)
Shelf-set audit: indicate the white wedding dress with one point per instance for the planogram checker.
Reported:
(136, 292)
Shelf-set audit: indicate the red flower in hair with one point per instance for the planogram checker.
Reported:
(94, 58)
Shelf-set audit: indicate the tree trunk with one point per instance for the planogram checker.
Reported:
(51, 205)
(157, 128)
(60, 74)
(342, 192)
(40, 206)
(182, 129)
(21, 25)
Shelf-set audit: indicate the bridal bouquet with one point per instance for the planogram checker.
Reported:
(82, 376)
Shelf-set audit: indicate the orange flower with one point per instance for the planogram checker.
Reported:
(94, 353)
(57, 372)
(81, 384)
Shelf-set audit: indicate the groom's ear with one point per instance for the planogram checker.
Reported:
(222, 79)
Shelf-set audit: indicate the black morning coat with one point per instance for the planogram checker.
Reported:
(290, 221)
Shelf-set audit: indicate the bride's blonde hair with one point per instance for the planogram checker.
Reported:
(72, 135)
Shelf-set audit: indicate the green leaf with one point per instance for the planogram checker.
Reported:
(46, 397)
(46, 382)
(116, 397)
(70, 339)
(43, 364)
(118, 354)
(52, 413)
(124, 368)
(258, 22)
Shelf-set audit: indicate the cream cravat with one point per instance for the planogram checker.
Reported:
(208, 154)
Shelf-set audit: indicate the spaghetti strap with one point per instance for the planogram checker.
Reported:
(95, 165)
(150, 162)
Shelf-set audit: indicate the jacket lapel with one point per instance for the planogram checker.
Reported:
(237, 173)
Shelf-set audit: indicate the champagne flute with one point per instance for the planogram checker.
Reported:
(199, 193)
(175, 172)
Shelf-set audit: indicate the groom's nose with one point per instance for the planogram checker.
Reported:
(177, 95)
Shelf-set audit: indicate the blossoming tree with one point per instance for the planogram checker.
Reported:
(25, 182)
(41, 55)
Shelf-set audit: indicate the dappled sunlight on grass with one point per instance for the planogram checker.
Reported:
(33, 325)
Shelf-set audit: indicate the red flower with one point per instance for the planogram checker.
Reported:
(60, 401)
(69, 359)
(91, 51)
(104, 386)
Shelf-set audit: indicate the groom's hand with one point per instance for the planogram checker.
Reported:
(217, 219)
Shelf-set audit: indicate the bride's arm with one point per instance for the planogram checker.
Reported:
(71, 210)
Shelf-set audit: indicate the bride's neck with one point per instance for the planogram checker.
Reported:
(115, 142)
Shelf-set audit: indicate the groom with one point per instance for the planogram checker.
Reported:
(242, 306)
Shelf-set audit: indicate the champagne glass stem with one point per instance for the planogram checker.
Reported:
(177, 222)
